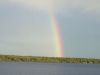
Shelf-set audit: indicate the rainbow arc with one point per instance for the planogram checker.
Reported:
(57, 36)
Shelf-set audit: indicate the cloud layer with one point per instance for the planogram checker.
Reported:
(25, 25)
(61, 6)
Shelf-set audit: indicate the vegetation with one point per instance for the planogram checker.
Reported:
(13, 58)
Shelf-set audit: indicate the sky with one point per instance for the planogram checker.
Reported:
(26, 27)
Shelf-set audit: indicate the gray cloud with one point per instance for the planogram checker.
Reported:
(25, 25)
(61, 6)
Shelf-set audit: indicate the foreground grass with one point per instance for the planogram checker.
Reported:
(13, 58)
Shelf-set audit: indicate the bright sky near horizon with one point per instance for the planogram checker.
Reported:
(26, 28)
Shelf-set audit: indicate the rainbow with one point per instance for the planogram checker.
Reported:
(57, 36)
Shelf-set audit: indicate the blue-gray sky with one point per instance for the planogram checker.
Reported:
(26, 28)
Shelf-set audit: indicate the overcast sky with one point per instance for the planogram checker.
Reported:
(26, 28)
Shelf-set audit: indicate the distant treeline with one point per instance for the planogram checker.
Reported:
(13, 58)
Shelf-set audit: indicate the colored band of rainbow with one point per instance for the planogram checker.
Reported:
(57, 37)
